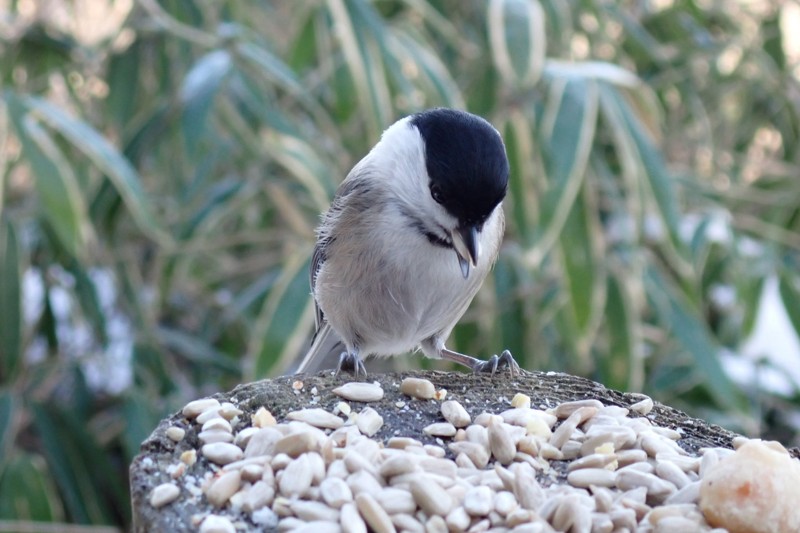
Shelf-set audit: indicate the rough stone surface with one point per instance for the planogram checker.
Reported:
(477, 392)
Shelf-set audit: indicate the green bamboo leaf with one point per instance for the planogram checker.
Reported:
(123, 78)
(276, 71)
(517, 40)
(583, 272)
(10, 303)
(89, 300)
(78, 465)
(621, 368)
(273, 66)
(303, 50)
(304, 164)
(195, 349)
(559, 24)
(789, 287)
(283, 324)
(56, 185)
(361, 50)
(596, 70)
(141, 416)
(197, 93)
(29, 493)
(97, 148)
(660, 182)
(637, 35)
(444, 88)
(568, 133)
(256, 108)
(152, 371)
(9, 415)
(511, 319)
(626, 155)
(688, 328)
(523, 197)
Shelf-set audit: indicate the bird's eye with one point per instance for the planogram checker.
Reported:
(436, 194)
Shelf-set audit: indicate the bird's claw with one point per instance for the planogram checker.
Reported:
(505, 359)
(352, 363)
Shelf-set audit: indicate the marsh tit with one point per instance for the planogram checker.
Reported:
(407, 242)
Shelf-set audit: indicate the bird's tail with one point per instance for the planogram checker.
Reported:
(326, 347)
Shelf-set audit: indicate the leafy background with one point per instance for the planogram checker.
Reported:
(163, 165)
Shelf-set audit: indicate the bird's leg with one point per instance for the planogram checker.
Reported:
(350, 361)
(505, 359)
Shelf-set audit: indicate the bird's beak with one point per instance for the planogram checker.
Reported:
(465, 241)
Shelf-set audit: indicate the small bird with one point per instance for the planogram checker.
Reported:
(407, 242)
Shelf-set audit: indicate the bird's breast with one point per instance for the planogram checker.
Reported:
(387, 289)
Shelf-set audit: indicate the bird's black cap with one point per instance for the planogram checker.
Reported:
(466, 163)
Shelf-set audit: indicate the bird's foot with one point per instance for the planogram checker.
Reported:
(352, 363)
(495, 362)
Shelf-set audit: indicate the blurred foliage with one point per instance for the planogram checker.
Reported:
(162, 171)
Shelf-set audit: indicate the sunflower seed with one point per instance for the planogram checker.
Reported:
(565, 409)
(216, 524)
(317, 526)
(421, 389)
(222, 453)
(440, 429)
(672, 473)
(215, 435)
(311, 511)
(373, 514)
(406, 522)
(394, 500)
(175, 434)
(527, 490)
(207, 415)
(479, 501)
(454, 412)
(259, 495)
(595, 460)
(458, 519)
(643, 407)
(430, 497)
(360, 392)
(657, 488)
(369, 421)
(441, 467)
(297, 477)
(478, 434)
(350, 520)
(688, 494)
(164, 494)
(501, 443)
(222, 488)
(435, 524)
(229, 411)
(263, 418)
(293, 445)
(217, 424)
(316, 417)
(363, 482)
(586, 477)
(479, 455)
(194, 408)
(402, 442)
(520, 400)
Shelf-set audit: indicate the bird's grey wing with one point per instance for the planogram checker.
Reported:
(326, 346)
(324, 352)
(317, 258)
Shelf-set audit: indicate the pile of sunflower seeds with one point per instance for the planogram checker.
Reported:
(322, 471)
